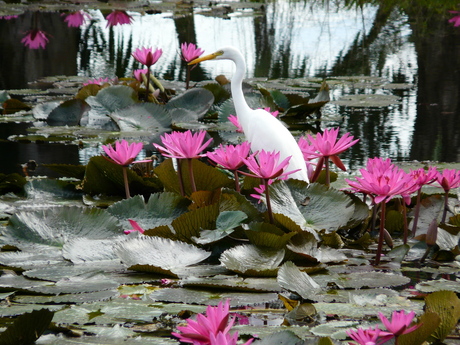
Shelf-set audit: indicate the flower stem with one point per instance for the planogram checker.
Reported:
(417, 212)
(147, 91)
(269, 206)
(381, 233)
(406, 229)
(237, 180)
(179, 175)
(192, 178)
(326, 166)
(446, 206)
(187, 78)
(125, 179)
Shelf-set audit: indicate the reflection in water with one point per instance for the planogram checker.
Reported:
(290, 39)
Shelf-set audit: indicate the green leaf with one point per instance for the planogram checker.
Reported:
(206, 177)
(105, 177)
(230, 219)
(188, 225)
(68, 170)
(196, 101)
(447, 305)
(150, 117)
(250, 260)
(159, 255)
(161, 209)
(27, 328)
(55, 226)
(268, 235)
(114, 97)
(327, 208)
(13, 183)
(69, 113)
(291, 278)
(429, 321)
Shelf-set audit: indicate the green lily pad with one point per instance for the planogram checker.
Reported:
(159, 255)
(55, 226)
(150, 117)
(291, 278)
(69, 113)
(161, 209)
(250, 260)
(196, 101)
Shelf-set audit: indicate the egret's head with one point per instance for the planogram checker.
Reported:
(222, 54)
(212, 56)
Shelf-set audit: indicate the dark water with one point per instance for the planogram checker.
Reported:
(411, 44)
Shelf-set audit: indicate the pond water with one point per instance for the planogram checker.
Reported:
(377, 49)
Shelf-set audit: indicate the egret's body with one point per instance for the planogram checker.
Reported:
(262, 130)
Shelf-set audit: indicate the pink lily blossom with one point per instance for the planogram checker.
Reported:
(136, 227)
(449, 179)
(456, 19)
(400, 322)
(383, 184)
(118, 17)
(98, 81)
(230, 156)
(76, 19)
(199, 332)
(138, 74)
(226, 339)
(124, 153)
(190, 51)
(9, 17)
(35, 39)
(183, 144)
(147, 56)
(265, 165)
(368, 336)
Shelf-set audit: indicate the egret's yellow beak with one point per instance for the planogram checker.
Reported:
(206, 57)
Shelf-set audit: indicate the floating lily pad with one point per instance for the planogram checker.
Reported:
(251, 260)
(291, 278)
(27, 328)
(233, 283)
(368, 100)
(159, 255)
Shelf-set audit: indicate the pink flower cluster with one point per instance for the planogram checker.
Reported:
(210, 329)
(400, 324)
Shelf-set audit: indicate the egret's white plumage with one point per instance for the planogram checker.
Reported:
(262, 130)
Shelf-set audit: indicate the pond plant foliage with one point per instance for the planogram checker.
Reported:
(125, 251)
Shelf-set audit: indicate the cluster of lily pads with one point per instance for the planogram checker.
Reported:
(200, 223)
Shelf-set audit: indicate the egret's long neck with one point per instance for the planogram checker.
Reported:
(239, 101)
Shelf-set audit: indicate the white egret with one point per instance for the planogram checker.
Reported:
(262, 130)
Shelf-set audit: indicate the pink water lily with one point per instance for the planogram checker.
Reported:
(138, 74)
(448, 179)
(456, 19)
(266, 165)
(400, 322)
(35, 39)
(147, 56)
(118, 17)
(231, 157)
(123, 153)
(183, 144)
(136, 227)
(190, 51)
(382, 181)
(76, 19)
(98, 81)
(214, 322)
(328, 147)
(368, 336)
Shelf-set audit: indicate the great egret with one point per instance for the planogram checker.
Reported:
(261, 129)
